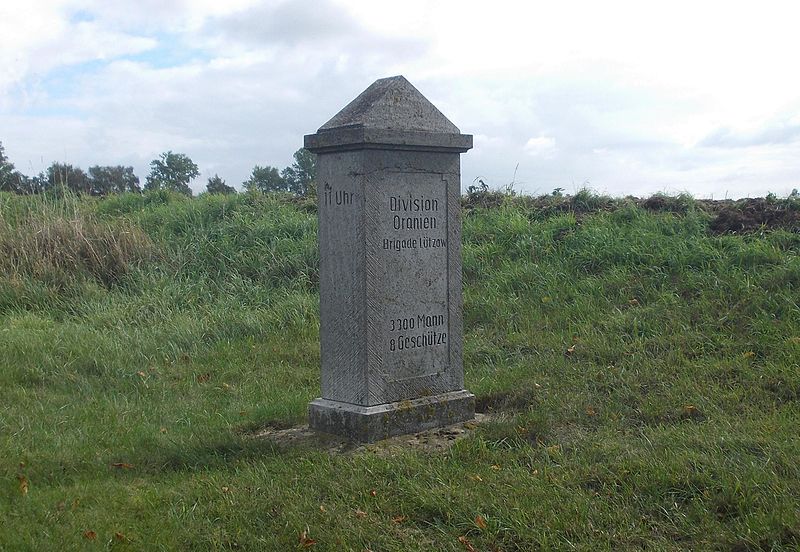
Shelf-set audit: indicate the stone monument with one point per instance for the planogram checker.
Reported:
(389, 188)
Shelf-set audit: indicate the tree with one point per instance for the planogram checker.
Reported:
(64, 175)
(35, 185)
(112, 180)
(11, 180)
(301, 175)
(173, 171)
(266, 179)
(217, 186)
(8, 180)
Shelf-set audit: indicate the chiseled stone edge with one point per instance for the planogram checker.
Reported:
(367, 424)
(343, 139)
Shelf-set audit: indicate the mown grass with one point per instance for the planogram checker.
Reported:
(643, 373)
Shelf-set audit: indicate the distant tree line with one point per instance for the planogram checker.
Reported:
(170, 171)
(297, 178)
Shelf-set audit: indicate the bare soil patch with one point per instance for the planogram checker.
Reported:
(433, 440)
(748, 215)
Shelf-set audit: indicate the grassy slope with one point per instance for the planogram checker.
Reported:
(649, 374)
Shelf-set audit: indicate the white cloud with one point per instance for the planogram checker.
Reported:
(541, 146)
(773, 134)
(631, 97)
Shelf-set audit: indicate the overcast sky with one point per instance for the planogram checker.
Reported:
(622, 97)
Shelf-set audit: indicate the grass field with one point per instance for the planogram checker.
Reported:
(642, 368)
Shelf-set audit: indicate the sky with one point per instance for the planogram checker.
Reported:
(625, 98)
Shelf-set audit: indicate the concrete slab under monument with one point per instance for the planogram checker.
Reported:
(367, 424)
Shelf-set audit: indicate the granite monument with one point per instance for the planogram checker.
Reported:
(389, 186)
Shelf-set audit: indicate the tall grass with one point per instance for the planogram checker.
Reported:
(61, 242)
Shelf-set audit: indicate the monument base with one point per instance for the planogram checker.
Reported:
(367, 424)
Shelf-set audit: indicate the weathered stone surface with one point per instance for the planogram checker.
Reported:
(391, 103)
(390, 114)
(388, 176)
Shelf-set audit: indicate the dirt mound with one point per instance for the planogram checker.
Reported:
(749, 215)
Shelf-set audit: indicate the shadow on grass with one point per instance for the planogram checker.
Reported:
(215, 454)
(785, 538)
(260, 426)
(506, 401)
(782, 392)
(152, 461)
(688, 413)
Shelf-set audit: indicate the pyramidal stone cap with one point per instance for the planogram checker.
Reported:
(390, 114)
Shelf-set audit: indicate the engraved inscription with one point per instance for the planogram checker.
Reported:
(409, 336)
(414, 223)
(427, 339)
(425, 242)
(336, 197)
(413, 203)
(414, 212)
(422, 321)
(413, 243)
